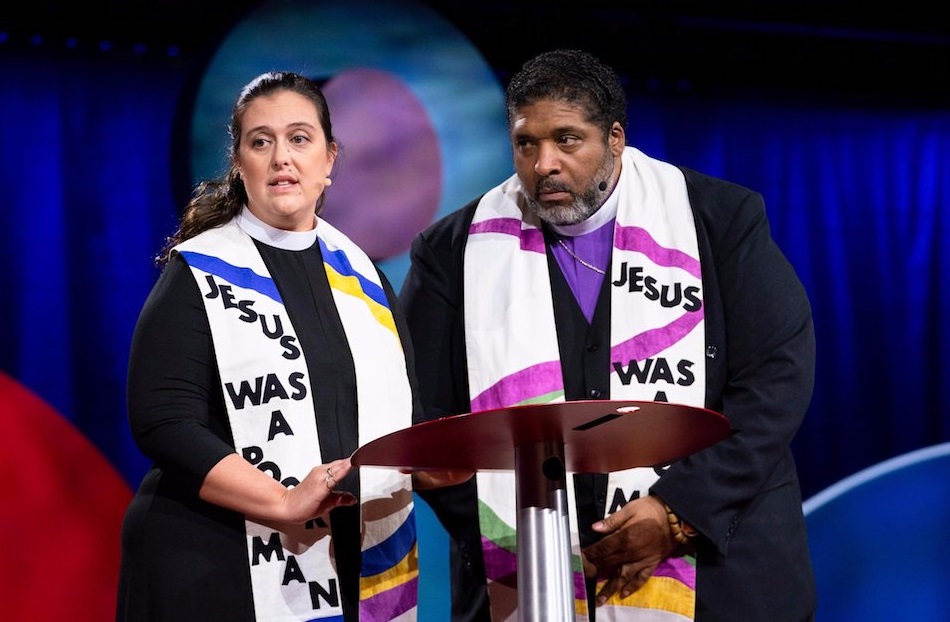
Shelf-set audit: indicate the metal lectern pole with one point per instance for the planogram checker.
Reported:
(545, 577)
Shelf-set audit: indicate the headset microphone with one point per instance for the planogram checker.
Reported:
(602, 185)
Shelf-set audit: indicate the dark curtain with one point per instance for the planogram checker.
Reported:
(858, 199)
(85, 181)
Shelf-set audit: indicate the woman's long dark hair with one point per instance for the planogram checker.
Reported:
(217, 201)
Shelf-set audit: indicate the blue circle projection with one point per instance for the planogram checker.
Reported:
(419, 114)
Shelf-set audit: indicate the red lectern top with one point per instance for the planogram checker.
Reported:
(598, 436)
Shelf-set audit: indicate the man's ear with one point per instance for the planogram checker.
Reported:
(617, 139)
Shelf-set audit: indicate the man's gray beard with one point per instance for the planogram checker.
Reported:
(580, 210)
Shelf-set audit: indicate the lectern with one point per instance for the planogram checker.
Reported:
(541, 443)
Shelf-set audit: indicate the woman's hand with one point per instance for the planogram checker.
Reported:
(236, 484)
(314, 496)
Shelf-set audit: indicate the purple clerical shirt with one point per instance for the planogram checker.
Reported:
(594, 248)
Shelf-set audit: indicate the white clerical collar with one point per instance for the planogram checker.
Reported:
(606, 213)
(272, 236)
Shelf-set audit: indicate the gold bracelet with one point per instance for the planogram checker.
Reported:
(682, 533)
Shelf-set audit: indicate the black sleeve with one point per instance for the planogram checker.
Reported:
(768, 349)
(175, 405)
(431, 300)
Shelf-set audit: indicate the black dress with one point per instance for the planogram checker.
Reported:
(182, 558)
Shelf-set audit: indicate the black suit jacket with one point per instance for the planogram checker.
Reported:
(742, 494)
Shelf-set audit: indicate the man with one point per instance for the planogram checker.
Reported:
(597, 272)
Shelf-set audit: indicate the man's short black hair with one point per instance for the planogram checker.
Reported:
(573, 76)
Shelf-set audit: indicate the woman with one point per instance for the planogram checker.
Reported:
(266, 353)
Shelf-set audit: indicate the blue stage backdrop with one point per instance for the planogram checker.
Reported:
(95, 145)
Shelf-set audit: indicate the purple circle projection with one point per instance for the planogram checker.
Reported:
(418, 112)
(387, 181)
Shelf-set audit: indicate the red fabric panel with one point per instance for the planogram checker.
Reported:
(61, 509)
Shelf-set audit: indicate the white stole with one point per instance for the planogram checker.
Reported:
(267, 391)
(657, 354)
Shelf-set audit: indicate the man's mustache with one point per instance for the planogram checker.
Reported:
(550, 186)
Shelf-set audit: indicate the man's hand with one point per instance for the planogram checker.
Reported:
(638, 539)
(426, 480)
